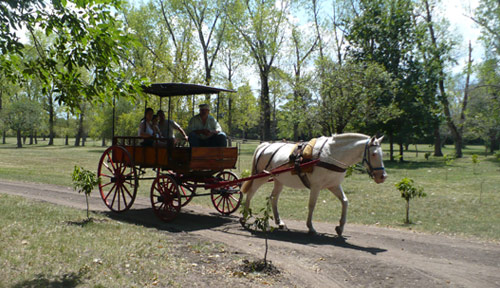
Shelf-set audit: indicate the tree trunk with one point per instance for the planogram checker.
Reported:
(391, 146)
(51, 124)
(295, 120)
(19, 139)
(401, 151)
(36, 138)
(31, 138)
(455, 131)
(437, 142)
(230, 114)
(407, 221)
(79, 134)
(103, 143)
(66, 141)
(4, 136)
(265, 105)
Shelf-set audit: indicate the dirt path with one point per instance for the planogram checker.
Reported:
(366, 257)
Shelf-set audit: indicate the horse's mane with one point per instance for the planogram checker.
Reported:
(349, 136)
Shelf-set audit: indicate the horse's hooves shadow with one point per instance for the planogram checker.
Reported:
(303, 237)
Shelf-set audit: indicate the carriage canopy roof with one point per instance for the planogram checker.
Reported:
(181, 89)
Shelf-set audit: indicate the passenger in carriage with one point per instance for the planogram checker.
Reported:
(165, 130)
(146, 127)
(156, 129)
(205, 131)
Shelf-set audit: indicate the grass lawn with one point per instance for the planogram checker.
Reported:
(45, 245)
(462, 199)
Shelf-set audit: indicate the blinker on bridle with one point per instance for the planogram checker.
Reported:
(366, 159)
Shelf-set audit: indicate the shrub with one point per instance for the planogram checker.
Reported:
(408, 192)
(84, 181)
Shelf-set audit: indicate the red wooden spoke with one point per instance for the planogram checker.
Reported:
(106, 184)
(124, 188)
(111, 190)
(226, 199)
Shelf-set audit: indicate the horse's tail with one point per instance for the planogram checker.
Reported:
(247, 184)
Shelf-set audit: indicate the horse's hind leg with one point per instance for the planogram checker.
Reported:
(254, 186)
(278, 187)
(337, 191)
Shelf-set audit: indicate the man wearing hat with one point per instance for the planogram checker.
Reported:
(205, 131)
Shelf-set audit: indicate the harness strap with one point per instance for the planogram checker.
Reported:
(270, 159)
(305, 180)
(272, 156)
(331, 167)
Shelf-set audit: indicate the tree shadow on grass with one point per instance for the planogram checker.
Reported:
(413, 165)
(43, 281)
(493, 161)
(186, 221)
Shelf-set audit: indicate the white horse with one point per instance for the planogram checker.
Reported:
(335, 155)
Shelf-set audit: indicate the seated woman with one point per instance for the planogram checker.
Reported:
(146, 128)
(155, 127)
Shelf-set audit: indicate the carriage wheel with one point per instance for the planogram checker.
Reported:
(165, 197)
(119, 181)
(228, 198)
(186, 194)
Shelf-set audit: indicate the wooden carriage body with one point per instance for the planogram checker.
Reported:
(178, 159)
(180, 171)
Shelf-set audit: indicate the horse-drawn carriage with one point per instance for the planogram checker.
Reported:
(180, 171)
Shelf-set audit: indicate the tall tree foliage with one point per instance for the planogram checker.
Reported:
(383, 32)
(260, 25)
(440, 48)
(210, 24)
(487, 16)
(86, 35)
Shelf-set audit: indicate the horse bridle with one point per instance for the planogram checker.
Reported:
(366, 159)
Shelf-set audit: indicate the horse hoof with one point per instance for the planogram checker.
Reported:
(339, 231)
(282, 227)
(312, 232)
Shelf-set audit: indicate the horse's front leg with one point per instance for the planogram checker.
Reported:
(313, 198)
(339, 192)
(278, 187)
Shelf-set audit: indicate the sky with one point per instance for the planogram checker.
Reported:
(456, 12)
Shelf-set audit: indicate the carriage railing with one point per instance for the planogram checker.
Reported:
(158, 152)
(161, 153)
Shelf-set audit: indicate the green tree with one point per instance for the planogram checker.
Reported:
(351, 95)
(210, 24)
(180, 33)
(245, 110)
(383, 31)
(85, 181)
(483, 115)
(441, 45)
(260, 25)
(409, 191)
(302, 48)
(487, 16)
(85, 34)
(22, 115)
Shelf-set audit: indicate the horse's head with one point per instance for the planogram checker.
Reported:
(372, 159)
